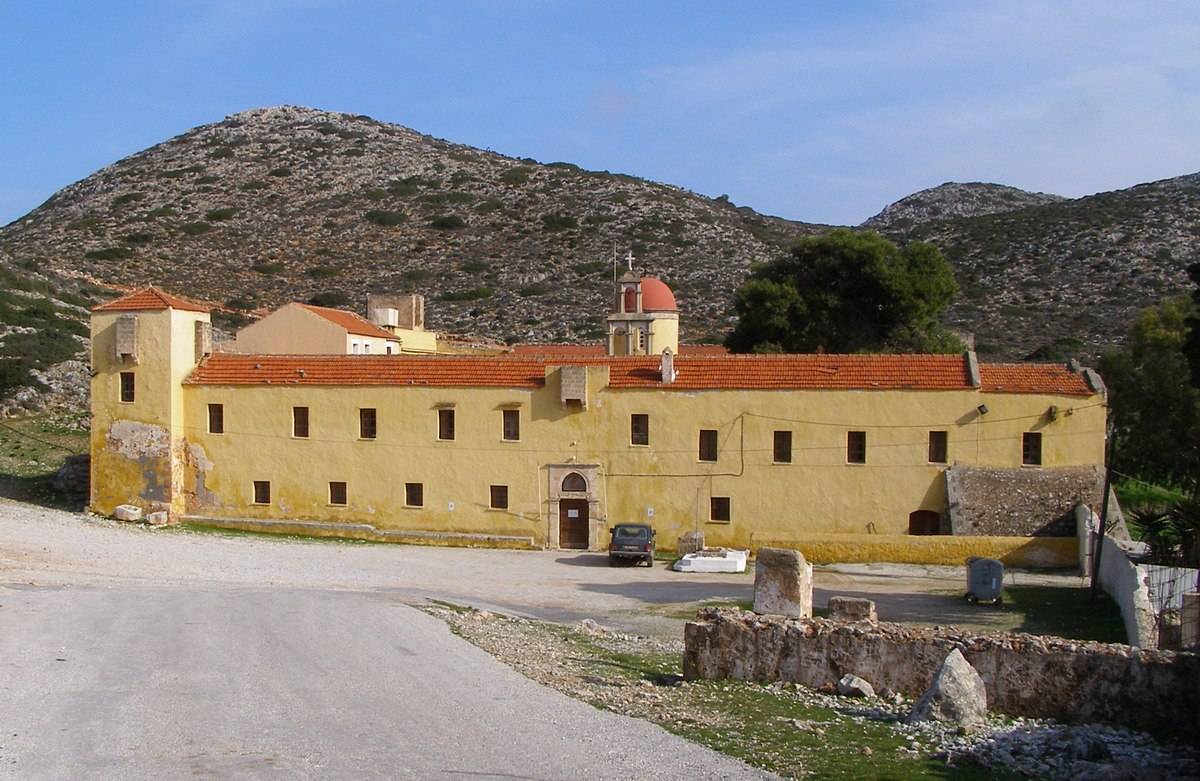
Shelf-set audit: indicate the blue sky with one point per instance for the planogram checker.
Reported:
(816, 111)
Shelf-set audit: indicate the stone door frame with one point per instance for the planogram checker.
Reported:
(596, 521)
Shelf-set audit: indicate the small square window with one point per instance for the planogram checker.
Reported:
(366, 423)
(499, 497)
(782, 447)
(938, 447)
(414, 494)
(1031, 448)
(127, 387)
(718, 509)
(216, 418)
(512, 424)
(639, 429)
(300, 422)
(856, 447)
(337, 492)
(446, 424)
(708, 444)
(262, 491)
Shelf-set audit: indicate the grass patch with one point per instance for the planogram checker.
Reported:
(109, 253)
(267, 268)
(31, 451)
(1066, 612)
(222, 214)
(195, 228)
(516, 176)
(448, 222)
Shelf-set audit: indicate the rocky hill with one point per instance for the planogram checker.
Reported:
(1066, 278)
(290, 203)
(955, 199)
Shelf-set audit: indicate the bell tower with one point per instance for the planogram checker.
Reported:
(645, 319)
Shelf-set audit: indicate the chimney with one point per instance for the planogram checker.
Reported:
(667, 367)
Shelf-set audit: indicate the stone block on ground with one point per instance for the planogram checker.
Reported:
(158, 518)
(690, 543)
(957, 695)
(853, 686)
(782, 583)
(128, 512)
(852, 609)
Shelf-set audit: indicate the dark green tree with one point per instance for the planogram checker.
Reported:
(846, 291)
(1155, 408)
(1191, 344)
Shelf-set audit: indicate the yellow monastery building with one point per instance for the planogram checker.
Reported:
(549, 446)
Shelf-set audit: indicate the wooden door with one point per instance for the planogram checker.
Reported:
(573, 523)
(924, 522)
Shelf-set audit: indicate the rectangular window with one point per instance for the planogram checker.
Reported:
(300, 422)
(216, 418)
(414, 494)
(708, 444)
(446, 424)
(856, 447)
(512, 424)
(1031, 448)
(366, 423)
(127, 392)
(337, 492)
(782, 447)
(499, 497)
(639, 429)
(262, 491)
(938, 447)
(718, 509)
(367, 348)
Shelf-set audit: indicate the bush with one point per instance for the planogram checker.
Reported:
(161, 211)
(195, 228)
(334, 298)
(109, 253)
(385, 219)
(473, 294)
(416, 274)
(558, 222)
(591, 267)
(323, 272)
(222, 214)
(254, 184)
(536, 289)
(121, 200)
(280, 172)
(475, 266)
(241, 302)
(516, 176)
(488, 205)
(138, 238)
(448, 222)
(179, 173)
(376, 194)
(267, 268)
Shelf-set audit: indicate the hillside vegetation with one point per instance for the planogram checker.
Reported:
(291, 203)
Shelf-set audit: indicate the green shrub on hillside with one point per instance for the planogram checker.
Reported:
(488, 205)
(273, 267)
(333, 298)
(280, 172)
(448, 222)
(161, 211)
(179, 173)
(323, 272)
(254, 184)
(195, 228)
(386, 219)
(138, 238)
(516, 176)
(109, 253)
(222, 214)
(121, 200)
(558, 222)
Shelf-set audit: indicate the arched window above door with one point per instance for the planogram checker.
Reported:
(574, 482)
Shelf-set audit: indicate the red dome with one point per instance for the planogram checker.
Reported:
(656, 296)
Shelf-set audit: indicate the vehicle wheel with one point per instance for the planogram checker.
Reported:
(998, 602)
(972, 599)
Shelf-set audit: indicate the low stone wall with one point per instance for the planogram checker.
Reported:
(1020, 552)
(1025, 675)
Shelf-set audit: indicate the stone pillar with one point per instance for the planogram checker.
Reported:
(1189, 622)
(782, 583)
(692, 542)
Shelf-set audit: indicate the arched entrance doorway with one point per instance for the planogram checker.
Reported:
(573, 516)
(924, 522)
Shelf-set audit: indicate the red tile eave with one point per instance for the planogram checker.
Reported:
(729, 372)
(350, 321)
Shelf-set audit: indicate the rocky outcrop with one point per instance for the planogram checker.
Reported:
(956, 696)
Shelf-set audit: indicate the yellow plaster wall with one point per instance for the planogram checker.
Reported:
(1023, 552)
(292, 330)
(135, 445)
(817, 493)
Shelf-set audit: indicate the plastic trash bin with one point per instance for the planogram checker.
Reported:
(985, 580)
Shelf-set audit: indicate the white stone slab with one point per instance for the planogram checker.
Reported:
(712, 561)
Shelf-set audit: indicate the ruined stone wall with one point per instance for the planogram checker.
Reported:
(1020, 502)
(1025, 675)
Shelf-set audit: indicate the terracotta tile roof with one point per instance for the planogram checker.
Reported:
(733, 372)
(354, 324)
(703, 349)
(1032, 378)
(433, 370)
(591, 350)
(150, 298)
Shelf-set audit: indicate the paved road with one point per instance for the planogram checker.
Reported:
(140, 682)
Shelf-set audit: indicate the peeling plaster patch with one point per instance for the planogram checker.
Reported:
(370, 509)
(285, 508)
(138, 440)
(198, 457)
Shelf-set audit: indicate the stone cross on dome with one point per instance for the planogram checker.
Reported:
(629, 259)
